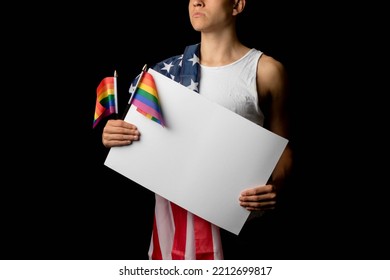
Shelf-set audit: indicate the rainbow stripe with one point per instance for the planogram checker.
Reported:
(146, 99)
(105, 99)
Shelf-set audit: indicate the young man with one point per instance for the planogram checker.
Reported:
(242, 79)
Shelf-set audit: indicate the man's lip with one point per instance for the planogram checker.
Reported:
(197, 14)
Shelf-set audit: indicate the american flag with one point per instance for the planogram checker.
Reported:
(179, 234)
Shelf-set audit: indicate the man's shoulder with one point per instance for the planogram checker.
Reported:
(269, 66)
(271, 75)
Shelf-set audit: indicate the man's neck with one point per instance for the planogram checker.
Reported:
(219, 50)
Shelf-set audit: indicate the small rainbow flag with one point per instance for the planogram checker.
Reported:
(146, 99)
(105, 99)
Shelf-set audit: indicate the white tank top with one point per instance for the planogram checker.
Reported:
(233, 86)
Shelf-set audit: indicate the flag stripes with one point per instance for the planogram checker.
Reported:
(105, 99)
(146, 99)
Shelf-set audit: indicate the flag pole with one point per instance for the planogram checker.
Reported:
(116, 93)
(133, 90)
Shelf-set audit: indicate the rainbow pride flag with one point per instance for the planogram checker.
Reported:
(146, 99)
(105, 99)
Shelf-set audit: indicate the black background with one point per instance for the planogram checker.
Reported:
(59, 201)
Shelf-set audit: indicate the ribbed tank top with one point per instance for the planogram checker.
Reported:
(233, 86)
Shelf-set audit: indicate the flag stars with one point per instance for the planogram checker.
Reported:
(194, 59)
(180, 60)
(193, 86)
(167, 67)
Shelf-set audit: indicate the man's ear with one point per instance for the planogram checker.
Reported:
(238, 6)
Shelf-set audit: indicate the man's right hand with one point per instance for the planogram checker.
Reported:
(119, 133)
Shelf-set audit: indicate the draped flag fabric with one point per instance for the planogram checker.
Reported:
(146, 99)
(105, 99)
(177, 233)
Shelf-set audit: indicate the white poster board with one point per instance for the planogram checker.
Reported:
(204, 157)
